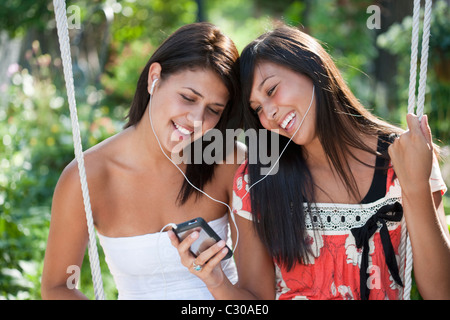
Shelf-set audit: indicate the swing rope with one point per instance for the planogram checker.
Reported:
(64, 44)
(63, 36)
(405, 247)
(423, 60)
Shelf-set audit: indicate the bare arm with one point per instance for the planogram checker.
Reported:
(430, 244)
(412, 156)
(67, 240)
(254, 265)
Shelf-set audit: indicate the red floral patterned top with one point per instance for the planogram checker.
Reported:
(333, 271)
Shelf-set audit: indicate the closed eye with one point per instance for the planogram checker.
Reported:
(214, 111)
(271, 90)
(186, 98)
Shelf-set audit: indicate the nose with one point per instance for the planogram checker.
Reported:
(270, 111)
(195, 118)
(195, 115)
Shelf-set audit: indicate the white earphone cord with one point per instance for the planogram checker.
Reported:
(196, 188)
(192, 185)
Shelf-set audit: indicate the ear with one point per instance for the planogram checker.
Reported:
(154, 72)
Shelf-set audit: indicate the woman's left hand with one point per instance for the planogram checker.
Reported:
(207, 265)
(412, 154)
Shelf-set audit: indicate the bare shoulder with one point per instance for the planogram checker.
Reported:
(96, 163)
(93, 161)
(68, 233)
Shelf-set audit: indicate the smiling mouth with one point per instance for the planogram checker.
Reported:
(288, 121)
(182, 130)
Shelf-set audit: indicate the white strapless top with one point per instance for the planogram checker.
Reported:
(149, 267)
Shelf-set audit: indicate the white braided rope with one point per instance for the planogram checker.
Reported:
(424, 58)
(64, 43)
(408, 270)
(405, 247)
(402, 253)
(414, 50)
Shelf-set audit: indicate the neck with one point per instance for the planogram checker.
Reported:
(315, 154)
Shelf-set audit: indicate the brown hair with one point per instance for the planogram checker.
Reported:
(197, 45)
(340, 118)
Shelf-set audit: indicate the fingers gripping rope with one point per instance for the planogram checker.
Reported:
(64, 43)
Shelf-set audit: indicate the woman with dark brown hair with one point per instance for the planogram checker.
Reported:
(328, 224)
(189, 86)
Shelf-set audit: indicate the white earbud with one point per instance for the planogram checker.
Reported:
(153, 86)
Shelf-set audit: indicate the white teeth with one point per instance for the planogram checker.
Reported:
(182, 130)
(287, 120)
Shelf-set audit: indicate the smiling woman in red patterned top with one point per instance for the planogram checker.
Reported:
(330, 223)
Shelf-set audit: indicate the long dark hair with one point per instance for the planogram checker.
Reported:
(198, 45)
(340, 120)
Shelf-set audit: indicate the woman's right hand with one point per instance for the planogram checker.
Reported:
(412, 155)
(209, 260)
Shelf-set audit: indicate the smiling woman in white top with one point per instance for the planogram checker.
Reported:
(191, 79)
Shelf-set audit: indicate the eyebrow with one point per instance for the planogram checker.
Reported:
(195, 92)
(264, 81)
(201, 96)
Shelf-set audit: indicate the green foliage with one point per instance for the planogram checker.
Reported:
(123, 72)
(150, 21)
(342, 30)
(32, 159)
(438, 76)
(139, 27)
(26, 180)
(17, 16)
(35, 131)
(238, 20)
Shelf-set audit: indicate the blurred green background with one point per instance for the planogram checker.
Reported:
(110, 47)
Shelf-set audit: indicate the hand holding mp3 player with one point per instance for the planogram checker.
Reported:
(207, 236)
